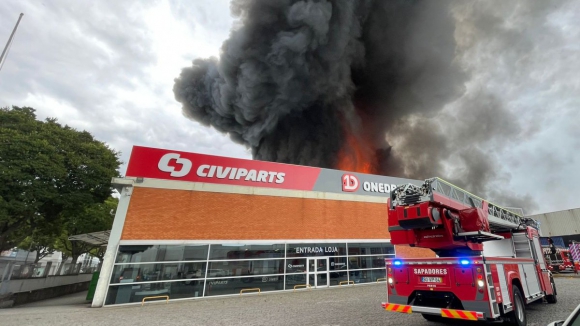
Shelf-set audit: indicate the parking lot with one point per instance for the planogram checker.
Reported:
(354, 305)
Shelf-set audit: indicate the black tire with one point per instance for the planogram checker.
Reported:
(518, 315)
(552, 298)
(433, 318)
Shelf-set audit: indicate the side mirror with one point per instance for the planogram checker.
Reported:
(556, 323)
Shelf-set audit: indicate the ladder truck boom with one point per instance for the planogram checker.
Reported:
(489, 262)
(448, 219)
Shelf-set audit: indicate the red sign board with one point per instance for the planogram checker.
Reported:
(183, 166)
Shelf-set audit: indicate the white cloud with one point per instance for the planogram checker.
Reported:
(109, 69)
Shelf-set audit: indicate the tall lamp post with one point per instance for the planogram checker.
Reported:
(7, 47)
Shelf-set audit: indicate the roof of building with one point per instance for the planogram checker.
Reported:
(100, 238)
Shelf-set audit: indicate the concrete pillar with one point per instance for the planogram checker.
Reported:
(111, 253)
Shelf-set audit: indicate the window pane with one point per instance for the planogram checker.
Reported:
(136, 292)
(235, 285)
(195, 252)
(154, 253)
(246, 251)
(245, 267)
(366, 276)
(296, 265)
(157, 272)
(370, 248)
(316, 249)
(338, 263)
(366, 262)
(295, 279)
(337, 277)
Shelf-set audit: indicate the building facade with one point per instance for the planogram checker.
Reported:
(565, 223)
(193, 226)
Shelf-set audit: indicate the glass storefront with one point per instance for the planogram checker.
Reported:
(202, 270)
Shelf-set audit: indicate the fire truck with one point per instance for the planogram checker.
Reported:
(558, 260)
(489, 263)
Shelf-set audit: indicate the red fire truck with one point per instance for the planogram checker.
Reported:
(489, 261)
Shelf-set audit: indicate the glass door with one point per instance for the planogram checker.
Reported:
(317, 272)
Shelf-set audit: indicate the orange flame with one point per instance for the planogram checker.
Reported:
(358, 153)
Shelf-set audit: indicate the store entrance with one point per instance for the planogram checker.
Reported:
(317, 272)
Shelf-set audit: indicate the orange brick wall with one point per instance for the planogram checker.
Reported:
(165, 214)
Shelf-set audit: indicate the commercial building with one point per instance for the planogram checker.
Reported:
(563, 224)
(192, 226)
(559, 223)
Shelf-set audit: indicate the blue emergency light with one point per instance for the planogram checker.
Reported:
(464, 262)
(397, 262)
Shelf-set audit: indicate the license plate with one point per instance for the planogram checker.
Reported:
(431, 280)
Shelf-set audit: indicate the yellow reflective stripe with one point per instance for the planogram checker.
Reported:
(459, 314)
(399, 308)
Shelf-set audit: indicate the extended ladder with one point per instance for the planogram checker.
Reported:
(500, 219)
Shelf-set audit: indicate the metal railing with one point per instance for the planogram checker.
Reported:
(166, 297)
(251, 289)
(507, 217)
(306, 286)
(16, 270)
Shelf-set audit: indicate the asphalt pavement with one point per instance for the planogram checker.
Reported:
(350, 305)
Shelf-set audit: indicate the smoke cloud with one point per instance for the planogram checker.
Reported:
(404, 77)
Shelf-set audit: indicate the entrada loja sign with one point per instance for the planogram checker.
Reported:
(165, 164)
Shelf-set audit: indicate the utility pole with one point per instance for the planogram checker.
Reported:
(7, 47)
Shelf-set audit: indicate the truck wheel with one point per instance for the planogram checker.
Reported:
(552, 298)
(434, 318)
(518, 315)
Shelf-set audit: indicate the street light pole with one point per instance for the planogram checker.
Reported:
(7, 47)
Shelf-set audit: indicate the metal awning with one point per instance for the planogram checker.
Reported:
(100, 238)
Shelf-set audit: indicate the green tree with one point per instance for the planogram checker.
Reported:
(93, 218)
(43, 239)
(47, 173)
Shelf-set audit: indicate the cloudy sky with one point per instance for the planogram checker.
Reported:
(108, 67)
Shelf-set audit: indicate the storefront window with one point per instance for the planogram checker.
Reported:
(366, 262)
(367, 276)
(246, 251)
(295, 279)
(119, 294)
(184, 271)
(338, 263)
(315, 249)
(337, 277)
(127, 273)
(370, 249)
(245, 267)
(297, 265)
(136, 254)
(235, 285)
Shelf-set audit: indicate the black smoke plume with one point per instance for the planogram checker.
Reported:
(295, 76)
(289, 75)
